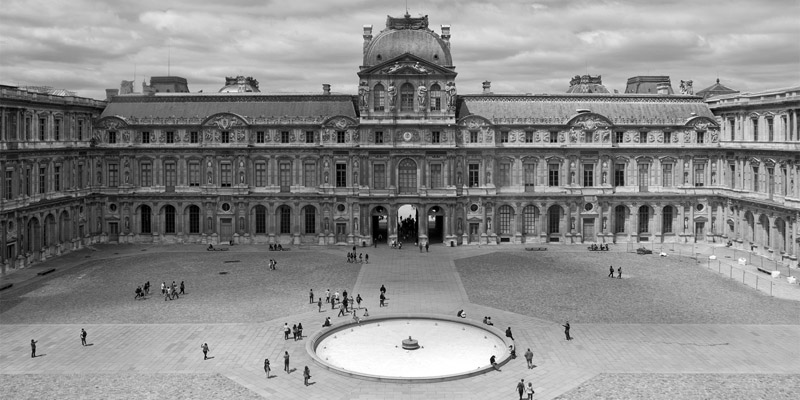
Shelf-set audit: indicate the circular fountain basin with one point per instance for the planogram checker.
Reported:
(449, 348)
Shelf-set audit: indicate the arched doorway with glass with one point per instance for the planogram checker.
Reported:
(407, 176)
(379, 224)
(435, 225)
(407, 223)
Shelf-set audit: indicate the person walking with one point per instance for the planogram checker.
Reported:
(300, 331)
(205, 349)
(83, 337)
(521, 388)
(341, 310)
(366, 256)
(147, 288)
(294, 332)
(611, 271)
(529, 358)
(426, 247)
(566, 331)
(306, 375)
(383, 298)
(509, 334)
(163, 287)
(266, 367)
(319, 305)
(327, 295)
(383, 289)
(183, 287)
(358, 300)
(619, 273)
(336, 297)
(530, 391)
(345, 303)
(33, 348)
(310, 296)
(286, 362)
(286, 331)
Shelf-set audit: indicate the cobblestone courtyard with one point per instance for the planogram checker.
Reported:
(668, 328)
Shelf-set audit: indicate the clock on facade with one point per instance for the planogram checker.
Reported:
(407, 136)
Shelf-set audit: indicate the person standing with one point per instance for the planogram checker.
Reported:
(286, 331)
(566, 331)
(319, 305)
(529, 358)
(300, 331)
(383, 298)
(521, 388)
(163, 287)
(530, 391)
(205, 351)
(345, 303)
(306, 375)
(310, 296)
(33, 348)
(294, 331)
(366, 256)
(336, 297)
(383, 289)
(266, 367)
(286, 362)
(509, 334)
(619, 273)
(83, 337)
(358, 300)
(327, 295)
(426, 247)
(183, 287)
(611, 271)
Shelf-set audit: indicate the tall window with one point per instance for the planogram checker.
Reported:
(310, 219)
(171, 174)
(436, 137)
(770, 180)
(755, 179)
(42, 129)
(57, 129)
(260, 137)
(666, 175)
(504, 174)
(379, 97)
(170, 137)
(194, 173)
(57, 178)
(341, 175)
(701, 137)
(530, 175)
(113, 175)
(436, 97)
(407, 176)
(340, 136)
(755, 129)
(146, 174)
(619, 219)
(145, 137)
(42, 180)
(194, 137)
(407, 97)
(504, 227)
(733, 128)
(553, 137)
(261, 219)
(644, 219)
(473, 176)
(261, 174)
(588, 175)
(194, 219)
(225, 174)
(667, 137)
(552, 174)
(644, 176)
(309, 136)
(310, 174)
(286, 219)
(9, 185)
(436, 176)
(285, 176)
(169, 219)
(530, 219)
(667, 217)
(619, 174)
(28, 181)
(80, 176)
(378, 137)
(784, 189)
(732, 176)
(145, 219)
(284, 136)
(553, 219)
(642, 137)
(770, 130)
(699, 174)
(379, 176)
(112, 137)
(225, 137)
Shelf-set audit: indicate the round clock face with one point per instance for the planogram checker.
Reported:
(407, 136)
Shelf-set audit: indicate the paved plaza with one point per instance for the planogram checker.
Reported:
(670, 328)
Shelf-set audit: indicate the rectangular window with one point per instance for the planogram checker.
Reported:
(340, 136)
(733, 128)
(260, 137)
(504, 137)
(528, 137)
(80, 176)
(310, 222)
(42, 129)
(378, 137)
(285, 176)
(225, 177)
(436, 176)
(57, 129)
(379, 176)
(309, 136)
(732, 176)
(284, 137)
(642, 137)
(113, 175)
(310, 174)
(286, 219)
(755, 179)
(146, 175)
(530, 176)
(261, 174)
(755, 130)
(619, 137)
(588, 175)
(81, 129)
(225, 137)
(667, 137)
(701, 137)
(619, 174)
(473, 137)
(699, 174)
(170, 174)
(504, 174)
(9, 185)
(435, 137)
(667, 220)
(42, 180)
(553, 137)
(644, 177)
(406, 98)
(552, 174)
(770, 180)
(194, 173)
(380, 98)
(145, 137)
(666, 175)
(57, 178)
(170, 137)
(27, 181)
(112, 137)
(770, 130)
(784, 189)
(341, 175)
(194, 137)
(474, 175)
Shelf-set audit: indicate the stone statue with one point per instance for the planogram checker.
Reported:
(450, 92)
(209, 177)
(605, 223)
(363, 94)
(572, 223)
(605, 177)
(422, 96)
(126, 87)
(391, 93)
(686, 87)
(127, 176)
(241, 176)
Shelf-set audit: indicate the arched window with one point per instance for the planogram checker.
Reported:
(553, 219)
(144, 225)
(644, 219)
(261, 219)
(379, 98)
(436, 97)
(506, 213)
(749, 227)
(310, 219)
(169, 219)
(765, 234)
(530, 220)
(667, 217)
(619, 219)
(407, 97)
(407, 176)
(194, 219)
(285, 216)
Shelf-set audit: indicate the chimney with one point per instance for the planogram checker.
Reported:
(487, 87)
(326, 89)
(662, 88)
(446, 35)
(367, 36)
(111, 93)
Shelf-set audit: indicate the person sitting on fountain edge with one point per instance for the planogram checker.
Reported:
(461, 313)
(327, 322)
(494, 363)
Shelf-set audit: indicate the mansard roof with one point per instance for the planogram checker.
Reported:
(620, 109)
(253, 105)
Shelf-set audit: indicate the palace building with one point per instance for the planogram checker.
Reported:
(247, 166)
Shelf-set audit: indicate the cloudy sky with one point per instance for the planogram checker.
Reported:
(295, 46)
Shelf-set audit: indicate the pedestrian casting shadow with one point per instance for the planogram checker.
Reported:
(291, 370)
(39, 355)
(272, 376)
(210, 358)
(311, 383)
(89, 344)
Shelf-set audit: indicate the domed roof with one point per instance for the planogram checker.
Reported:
(240, 84)
(407, 35)
(586, 84)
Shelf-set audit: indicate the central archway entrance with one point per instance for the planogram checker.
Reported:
(407, 223)
(380, 224)
(435, 225)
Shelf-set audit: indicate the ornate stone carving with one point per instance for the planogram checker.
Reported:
(686, 87)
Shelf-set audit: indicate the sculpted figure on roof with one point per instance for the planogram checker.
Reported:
(450, 91)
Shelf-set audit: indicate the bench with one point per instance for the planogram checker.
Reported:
(6, 286)
(536, 248)
(45, 272)
(774, 274)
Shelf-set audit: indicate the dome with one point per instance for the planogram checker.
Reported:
(586, 84)
(408, 35)
(240, 84)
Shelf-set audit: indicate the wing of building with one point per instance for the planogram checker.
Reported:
(244, 165)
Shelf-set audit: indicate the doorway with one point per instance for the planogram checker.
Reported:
(588, 229)
(474, 232)
(113, 232)
(407, 225)
(341, 232)
(435, 225)
(225, 229)
(699, 230)
(380, 225)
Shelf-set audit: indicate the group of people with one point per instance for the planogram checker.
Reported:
(352, 257)
(171, 292)
(600, 247)
(275, 247)
(273, 264)
(611, 272)
(306, 370)
(296, 331)
(142, 291)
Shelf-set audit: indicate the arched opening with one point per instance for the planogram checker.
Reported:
(261, 219)
(435, 226)
(530, 220)
(749, 226)
(49, 232)
(644, 220)
(284, 220)
(436, 97)
(505, 215)
(169, 219)
(194, 219)
(620, 218)
(407, 176)
(407, 226)
(145, 226)
(309, 220)
(780, 240)
(34, 234)
(764, 237)
(667, 218)
(407, 97)
(554, 215)
(379, 98)
(380, 224)
(64, 233)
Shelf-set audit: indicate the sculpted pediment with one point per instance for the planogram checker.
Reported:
(407, 64)
(225, 121)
